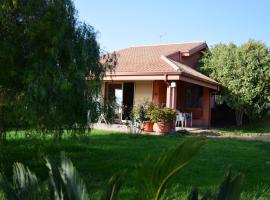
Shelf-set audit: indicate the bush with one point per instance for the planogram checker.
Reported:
(143, 111)
(163, 115)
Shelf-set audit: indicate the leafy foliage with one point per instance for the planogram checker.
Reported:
(65, 182)
(151, 181)
(143, 110)
(163, 115)
(46, 55)
(244, 73)
(114, 186)
(25, 184)
(229, 189)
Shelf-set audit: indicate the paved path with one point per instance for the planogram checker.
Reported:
(210, 134)
(111, 127)
(195, 131)
(265, 138)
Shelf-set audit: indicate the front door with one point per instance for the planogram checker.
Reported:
(115, 97)
(128, 98)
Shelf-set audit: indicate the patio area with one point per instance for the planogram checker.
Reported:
(122, 128)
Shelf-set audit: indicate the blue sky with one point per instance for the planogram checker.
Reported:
(123, 23)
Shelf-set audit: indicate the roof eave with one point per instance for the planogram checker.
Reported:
(194, 49)
(135, 76)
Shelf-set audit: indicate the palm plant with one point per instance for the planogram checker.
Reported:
(25, 184)
(229, 189)
(114, 186)
(65, 182)
(151, 181)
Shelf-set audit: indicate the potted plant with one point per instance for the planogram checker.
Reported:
(142, 112)
(148, 123)
(164, 118)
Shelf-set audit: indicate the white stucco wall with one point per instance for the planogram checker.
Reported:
(143, 91)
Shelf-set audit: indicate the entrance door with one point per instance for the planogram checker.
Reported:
(115, 97)
(128, 98)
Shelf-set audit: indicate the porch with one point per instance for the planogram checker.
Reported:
(186, 97)
(180, 95)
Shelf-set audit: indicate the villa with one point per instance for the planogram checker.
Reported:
(166, 74)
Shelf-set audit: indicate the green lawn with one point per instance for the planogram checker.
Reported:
(250, 129)
(101, 154)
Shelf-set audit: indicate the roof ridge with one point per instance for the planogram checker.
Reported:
(166, 44)
(169, 62)
(162, 44)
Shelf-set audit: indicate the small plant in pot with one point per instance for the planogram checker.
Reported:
(148, 123)
(163, 117)
(143, 113)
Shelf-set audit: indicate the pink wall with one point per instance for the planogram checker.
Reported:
(201, 116)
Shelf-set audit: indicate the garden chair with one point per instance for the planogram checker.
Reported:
(180, 119)
(102, 118)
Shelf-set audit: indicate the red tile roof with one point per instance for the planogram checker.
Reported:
(148, 58)
(192, 72)
(154, 58)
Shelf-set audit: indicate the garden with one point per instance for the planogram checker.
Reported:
(52, 71)
(100, 155)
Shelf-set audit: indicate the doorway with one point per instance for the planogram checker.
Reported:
(128, 100)
(115, 97)
(121, 95)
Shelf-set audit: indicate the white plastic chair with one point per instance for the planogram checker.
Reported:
(181, 118)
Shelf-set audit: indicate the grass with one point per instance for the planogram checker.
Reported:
(102, 154)
(250, 129)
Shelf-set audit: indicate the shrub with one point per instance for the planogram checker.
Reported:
(163, 115)
(143, 111)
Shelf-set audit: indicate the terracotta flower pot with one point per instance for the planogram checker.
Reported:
(163, 127)
(148, 126)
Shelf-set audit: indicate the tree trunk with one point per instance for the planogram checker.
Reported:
(239, 117)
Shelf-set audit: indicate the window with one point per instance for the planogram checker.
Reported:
(194, 96)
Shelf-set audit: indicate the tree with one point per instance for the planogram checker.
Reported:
(244, 73)
(45, 56)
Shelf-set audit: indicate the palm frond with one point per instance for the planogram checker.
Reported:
(55, 182)
(231, 187)
(151, 181)
(74, 185)
(194, 194)
(65, 182)
(25, 182)
(114, 186)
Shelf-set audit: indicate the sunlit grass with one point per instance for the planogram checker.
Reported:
(248, 129)
(100, 154)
